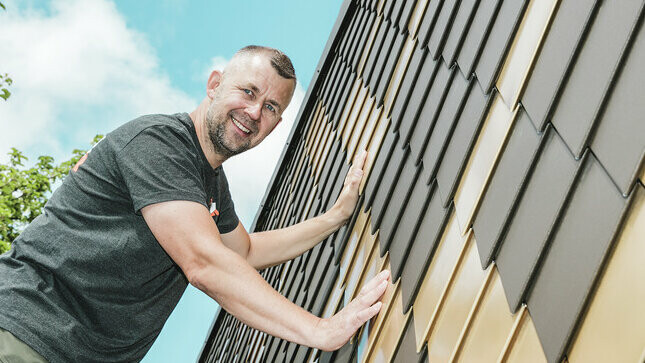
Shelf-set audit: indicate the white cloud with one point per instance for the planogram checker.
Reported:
(78, 70)
(249, 173)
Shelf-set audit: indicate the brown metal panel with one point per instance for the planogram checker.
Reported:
(535, 216)
(379, 66)
(393, 58)
(442, 28)
(348, 130)
(375, 51)
(386, 186)
(406, 352)
(498, 201)
(499, 40)
(462, 141)
(464, 17)
(389, 336)
(619, 143)
(579, 246)
(476, 35)
(613, 327)
(559, 46)
(482, 159)
(408, 83)
(357, 133)
(398, 74)
(416, 17)
(349, 105)
(428, 22)
(373, 148)
(379, 165)
(368, 45)
(368, 132)
(593, 71)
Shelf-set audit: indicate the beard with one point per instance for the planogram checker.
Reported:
(216, 124)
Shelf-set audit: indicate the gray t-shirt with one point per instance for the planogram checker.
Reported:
(87, 281)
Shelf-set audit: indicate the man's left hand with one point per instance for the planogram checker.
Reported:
(346, 202)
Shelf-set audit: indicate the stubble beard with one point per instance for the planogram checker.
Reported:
(216, 124)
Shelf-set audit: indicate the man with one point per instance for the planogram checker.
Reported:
(146, 212)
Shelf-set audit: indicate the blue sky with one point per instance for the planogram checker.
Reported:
(82, 67)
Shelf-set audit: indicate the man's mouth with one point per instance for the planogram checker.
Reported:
(240, 126)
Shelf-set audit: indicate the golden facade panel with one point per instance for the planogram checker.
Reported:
(399, 72)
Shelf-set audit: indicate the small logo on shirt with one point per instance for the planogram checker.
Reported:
(213, 209)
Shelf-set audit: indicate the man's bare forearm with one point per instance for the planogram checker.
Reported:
(270, 248)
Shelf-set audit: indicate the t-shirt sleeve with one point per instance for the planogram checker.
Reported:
(159, 164)
(228, 219)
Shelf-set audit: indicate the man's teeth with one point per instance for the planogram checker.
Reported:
(246, 131)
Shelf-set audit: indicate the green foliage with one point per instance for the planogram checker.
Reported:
(24, 191)
(5, 81)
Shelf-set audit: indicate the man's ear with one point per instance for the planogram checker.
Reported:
(276, 124)
(214, 81)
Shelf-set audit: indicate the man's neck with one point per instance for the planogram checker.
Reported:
(198, 116)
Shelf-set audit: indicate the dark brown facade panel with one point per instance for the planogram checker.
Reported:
(420, 88)
(406, 14)
(407, 229)
(338, 185)
(407, 85)
(619, 141)
(317, 304)
(461, 143)
(568, 25)
(335, 153)
(593, 72)
(360, 46)
(579, 246)
(422, 249)
(442, 28)
(505, 186)
(360, 30)
(329, 80)
(349, 34)
(406, 351)
(394, 12)
(327, 197)
(432, 105)
(338, 88)
(499, 41)
(534, 217)
(383, 191)
(340, 101)
(476, 35)
(375, 50)
(428, 21)
(383, 56)
(398, 203)
(463, 19)
(445, 124)
(344, 232)
(382, 159)
(388, 68)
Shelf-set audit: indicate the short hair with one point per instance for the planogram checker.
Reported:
(279, 61)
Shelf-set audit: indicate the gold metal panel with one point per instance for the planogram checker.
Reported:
(390, 334)
(417, 15)
(642, 177)
(491, 325)
(314, 120)
(397, 75)
(481, 161)
(379, 6)
(310, 200)
(459, 300)
(300, 163)
(318, 137)
(348, 131)
(355, 236)
(368, 130)
(523, 345)
(361, 256)
(368, 46)
(523, 50)
(321, 145)
(374, 146)
(613, 329)
(285, 210)
(315, 129)
(370, 267)
(436, 281)
(347, 108)
(324, 154)
(357, 133)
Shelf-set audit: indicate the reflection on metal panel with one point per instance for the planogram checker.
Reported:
(524, 345)
(389, 336)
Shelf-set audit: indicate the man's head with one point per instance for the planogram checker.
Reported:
(248, 98)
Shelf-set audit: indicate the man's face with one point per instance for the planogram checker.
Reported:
(247, 104)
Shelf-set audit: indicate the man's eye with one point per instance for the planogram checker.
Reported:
(270, 108)
(248, 91)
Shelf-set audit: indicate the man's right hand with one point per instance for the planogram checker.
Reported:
(335, 331)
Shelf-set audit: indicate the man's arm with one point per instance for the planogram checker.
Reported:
(187, 233)
(268, 248)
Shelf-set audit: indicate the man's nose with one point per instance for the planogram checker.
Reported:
(254, 110)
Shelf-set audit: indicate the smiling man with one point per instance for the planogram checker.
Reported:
(148, 211)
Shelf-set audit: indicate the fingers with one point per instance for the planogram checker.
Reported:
(359, 160)
(355, 173)
(367, 314)
(375, 281)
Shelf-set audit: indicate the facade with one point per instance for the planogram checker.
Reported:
(503, 189)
